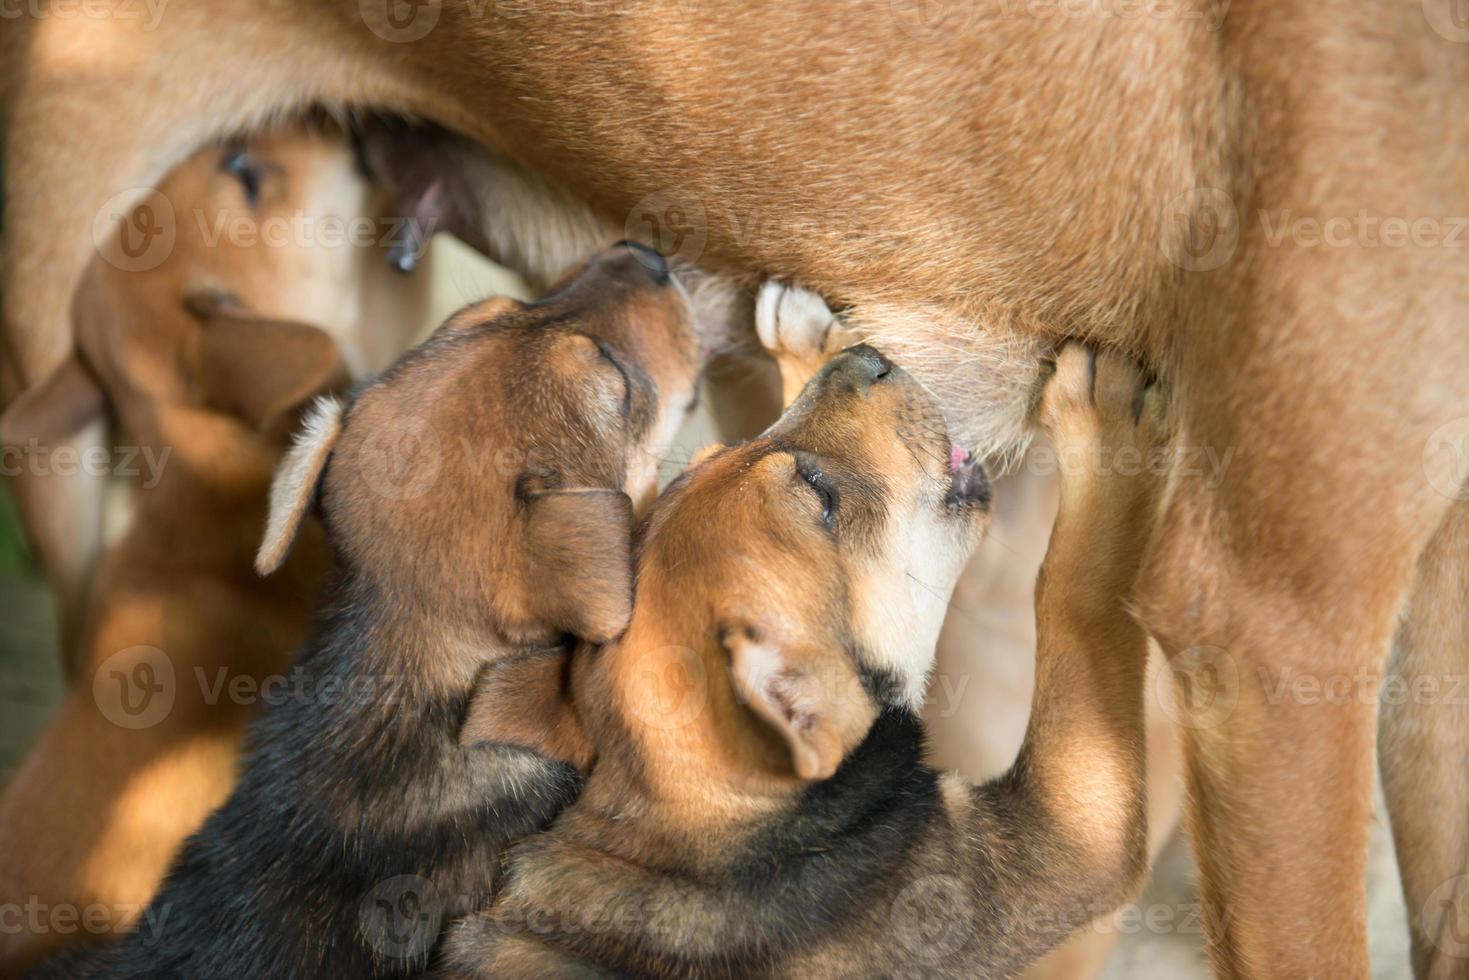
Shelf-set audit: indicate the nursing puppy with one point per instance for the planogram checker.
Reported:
(203, 385)
(760, 805)
(479, 501)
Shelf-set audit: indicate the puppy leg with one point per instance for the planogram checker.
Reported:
(1423, 735)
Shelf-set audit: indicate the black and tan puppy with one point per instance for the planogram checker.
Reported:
(478, 501)
(760, 806)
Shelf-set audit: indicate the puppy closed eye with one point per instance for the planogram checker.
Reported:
(608, 355)
(811, 473)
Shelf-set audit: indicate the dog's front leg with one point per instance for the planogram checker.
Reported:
(1423, 736)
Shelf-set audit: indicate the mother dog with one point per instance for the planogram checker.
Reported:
(976, 181)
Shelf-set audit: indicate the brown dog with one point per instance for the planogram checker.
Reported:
(180, 634)
(478, 499)
(771, 815)
(976, 188)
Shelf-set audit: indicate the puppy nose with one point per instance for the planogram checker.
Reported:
(650, 260)
(863, 364)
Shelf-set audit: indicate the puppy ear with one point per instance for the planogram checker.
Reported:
(296, 480)
(57, 408)
(259, 369)
(817, 705)
(525, 702)
(577, 553)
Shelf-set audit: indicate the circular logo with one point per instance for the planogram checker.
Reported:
(1446, 459)
(928, 21)
(1448, 18)
(400, 21)
(673, 223)
(669, 688)
(402, 460)
(934, 917)
(401, 917)
(1200, 229)
(135, 230)
(1444, 917)
(135, 688)
(1201, 690)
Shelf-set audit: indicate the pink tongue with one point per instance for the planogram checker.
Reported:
(958, 456)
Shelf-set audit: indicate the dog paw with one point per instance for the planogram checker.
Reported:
(1106, 421)
(799, 330)
(794, 322)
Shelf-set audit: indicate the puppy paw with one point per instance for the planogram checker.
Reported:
(799, 330)
(1106, 421)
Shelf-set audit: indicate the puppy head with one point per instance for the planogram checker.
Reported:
(491, 472)
(208, 315)
(812, 567)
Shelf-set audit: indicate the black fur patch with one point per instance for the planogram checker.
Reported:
(279, 884)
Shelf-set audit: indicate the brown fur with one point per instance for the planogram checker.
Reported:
(688, 794)
(975, 192)
(194, 378)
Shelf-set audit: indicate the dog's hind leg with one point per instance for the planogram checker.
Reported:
(1423, 737)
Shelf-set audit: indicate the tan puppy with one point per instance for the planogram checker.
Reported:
(801, 332)
(759, 806)
(180, 634)
(976, 186)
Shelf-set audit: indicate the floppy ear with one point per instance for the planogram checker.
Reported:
(577, 554)
(819, 707)
(55, 409)
(296, 480)
(524, 702)
(260, 368)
